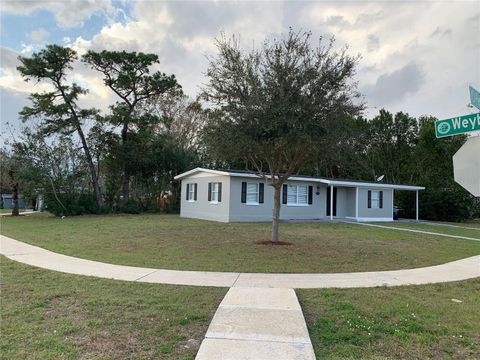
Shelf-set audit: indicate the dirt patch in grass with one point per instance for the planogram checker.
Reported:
(273, 243)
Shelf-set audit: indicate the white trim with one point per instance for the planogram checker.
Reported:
(252, 203)
(297, 196)
(344, 183)
(296, 205)
(257, 193)
(374, 219)
(193, 171)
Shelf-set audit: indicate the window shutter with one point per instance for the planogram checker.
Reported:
(195, 191)
(310, 195)
(209, 191)
(187, 192)
(284, 193)
(219, 192)
(369, 199)
(261, 188)
(381, 199)
(244, 192)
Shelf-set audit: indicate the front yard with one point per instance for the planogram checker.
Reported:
(50, 315)
(168, 241)
(407, 322)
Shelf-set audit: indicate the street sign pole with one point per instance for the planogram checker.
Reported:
(474, 97)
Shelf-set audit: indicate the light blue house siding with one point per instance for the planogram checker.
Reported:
(8, 202)
(302, 198)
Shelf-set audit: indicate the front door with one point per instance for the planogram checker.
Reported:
(334, 201)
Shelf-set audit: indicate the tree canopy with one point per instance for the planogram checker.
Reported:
(274, 105)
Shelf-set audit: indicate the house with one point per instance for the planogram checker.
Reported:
(7, 201)
(233, 196)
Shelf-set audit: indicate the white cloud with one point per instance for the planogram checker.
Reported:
(38, 35)
(416, 57)
(71, 13)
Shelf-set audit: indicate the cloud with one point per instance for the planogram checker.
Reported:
(393, 87)
(12, 102)
(441, 32)
(67, 14)
(9, 60)
(373, 43)
(38, 35)
(403, 66)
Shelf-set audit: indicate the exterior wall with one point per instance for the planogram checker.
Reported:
(231, 209)
(350, 202)
(202, 208)
(263, 212)
(366, 214)
(8, 202)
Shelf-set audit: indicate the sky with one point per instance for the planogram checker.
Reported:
(416, 56)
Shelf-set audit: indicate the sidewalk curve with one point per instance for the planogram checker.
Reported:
(32, 255)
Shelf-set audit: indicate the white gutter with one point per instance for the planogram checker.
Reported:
(309, 179)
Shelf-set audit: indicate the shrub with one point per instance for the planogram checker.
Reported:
(131, 207)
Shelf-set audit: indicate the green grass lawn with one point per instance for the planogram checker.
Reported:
(9, 211)
(50, 315)
(168, 241)
(408, 322)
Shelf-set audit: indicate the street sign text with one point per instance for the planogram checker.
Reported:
(457, 125)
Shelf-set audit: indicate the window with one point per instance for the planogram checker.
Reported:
(214, 192)
(191, 192)
(252, 194)
(375, 199)
(297, 195)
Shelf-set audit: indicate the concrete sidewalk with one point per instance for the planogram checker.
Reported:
(257, 324)
(32, 255)
(28, 212)
(414, 231)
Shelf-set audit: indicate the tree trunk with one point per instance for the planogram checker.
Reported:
(126, 175)
(93, 170)
(15, 211)
(276, 213)
(125, 185)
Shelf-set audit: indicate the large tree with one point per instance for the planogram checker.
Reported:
(58, 110)
(127, 74)
(274, 104)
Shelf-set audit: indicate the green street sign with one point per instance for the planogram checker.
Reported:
(457, 125)
(474, 97)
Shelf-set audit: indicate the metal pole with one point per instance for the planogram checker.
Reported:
(331, 202)
(416, 205)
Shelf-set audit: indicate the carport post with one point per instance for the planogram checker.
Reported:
(331, 202)
(416, 205)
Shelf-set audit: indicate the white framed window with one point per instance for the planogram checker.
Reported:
(375, 199)
(191, 192)
(297, 195)
(214, 195)
(252, 193)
